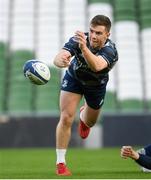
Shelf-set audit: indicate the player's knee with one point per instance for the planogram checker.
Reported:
(66, 119)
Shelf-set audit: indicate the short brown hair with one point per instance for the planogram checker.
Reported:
(101, 20)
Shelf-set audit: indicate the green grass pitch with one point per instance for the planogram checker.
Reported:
(39, 163)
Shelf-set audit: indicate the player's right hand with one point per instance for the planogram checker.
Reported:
(62, 59)
(65, 59)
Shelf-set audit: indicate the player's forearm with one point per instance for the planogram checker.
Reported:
(94, 61)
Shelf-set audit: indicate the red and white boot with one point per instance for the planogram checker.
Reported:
(62, 170)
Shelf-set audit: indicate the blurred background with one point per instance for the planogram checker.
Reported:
(37, 29)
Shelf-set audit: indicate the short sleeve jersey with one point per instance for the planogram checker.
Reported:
(79, 67)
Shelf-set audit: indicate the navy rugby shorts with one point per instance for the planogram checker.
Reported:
(94, 95)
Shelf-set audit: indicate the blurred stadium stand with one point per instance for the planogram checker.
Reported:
(39, 28)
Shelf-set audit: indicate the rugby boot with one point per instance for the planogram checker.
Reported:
(62, 170)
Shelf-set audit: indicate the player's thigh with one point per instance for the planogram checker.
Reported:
(71, 93)
(69, 102)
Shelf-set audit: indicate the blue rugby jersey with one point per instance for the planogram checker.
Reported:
(79, 67)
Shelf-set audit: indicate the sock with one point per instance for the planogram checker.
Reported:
(61, 156)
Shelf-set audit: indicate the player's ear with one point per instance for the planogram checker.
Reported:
(108, 34)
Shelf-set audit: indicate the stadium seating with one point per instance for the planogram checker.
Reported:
(20, 88)
(27, 98)
(2, 74)
(145, 23)
(49, 30)
(48, 95)
(73, 21)
(98, 1)
(129, 65)
(34, 36)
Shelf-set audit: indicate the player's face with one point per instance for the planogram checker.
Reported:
(98, 36)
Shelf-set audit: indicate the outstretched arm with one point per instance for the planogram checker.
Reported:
(62, 59)
(141, 159)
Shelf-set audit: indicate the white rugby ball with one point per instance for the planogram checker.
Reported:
(37, 72)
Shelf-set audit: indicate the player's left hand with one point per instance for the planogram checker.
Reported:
(81, 39)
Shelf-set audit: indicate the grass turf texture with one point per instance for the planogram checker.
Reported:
(84, 164)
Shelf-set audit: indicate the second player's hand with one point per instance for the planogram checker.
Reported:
(127, 151)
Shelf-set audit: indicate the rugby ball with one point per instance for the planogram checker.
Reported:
(37, 72)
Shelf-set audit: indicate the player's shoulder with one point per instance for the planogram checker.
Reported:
(109, 46)
(110, 43)
(109, 50)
